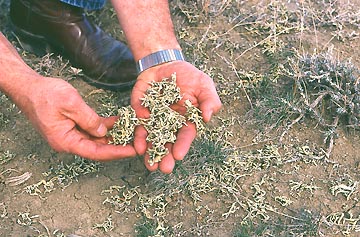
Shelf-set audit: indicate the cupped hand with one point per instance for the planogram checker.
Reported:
(195, 86)
(68, 124)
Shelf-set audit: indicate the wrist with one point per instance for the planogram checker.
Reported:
(149, 46)
(147, 26)
(158, 58)
(18, 85)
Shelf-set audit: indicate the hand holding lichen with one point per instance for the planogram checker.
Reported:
(163, 122)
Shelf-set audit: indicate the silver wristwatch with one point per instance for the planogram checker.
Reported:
(158, 58)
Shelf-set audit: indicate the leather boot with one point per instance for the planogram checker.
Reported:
(47, 25)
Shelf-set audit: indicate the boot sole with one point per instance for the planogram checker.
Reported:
(39, 46)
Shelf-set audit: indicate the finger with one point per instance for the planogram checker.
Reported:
(86, 118)
(180, 108)
(109, 121)
(138, 92)
(101, 152)
(185, 137)
(100, 140)
(140, 143)
(89, 148)
(167, 164)
(84, 134)
(210, 106)
(147, 164)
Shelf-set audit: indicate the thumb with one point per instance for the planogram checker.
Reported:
(209, 104)
(88, 120)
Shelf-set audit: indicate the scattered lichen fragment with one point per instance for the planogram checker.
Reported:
(163, 122)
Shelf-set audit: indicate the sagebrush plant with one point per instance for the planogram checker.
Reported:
(329, 88)
(318, 86)
(342, 18)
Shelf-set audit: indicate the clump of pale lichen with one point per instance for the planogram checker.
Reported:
(193, 114)
(163, 122)
(123, 129)
(161, 126)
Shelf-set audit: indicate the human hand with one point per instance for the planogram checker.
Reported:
(195, 86)
(68, 124)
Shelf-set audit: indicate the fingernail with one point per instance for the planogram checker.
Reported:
(208, 117)
(102, 130)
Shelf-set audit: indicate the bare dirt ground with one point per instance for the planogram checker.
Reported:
(245, 177)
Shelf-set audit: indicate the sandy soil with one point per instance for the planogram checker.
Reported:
(78, 207)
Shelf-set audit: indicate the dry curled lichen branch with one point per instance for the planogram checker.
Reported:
(123, 129)
(163, 122)
(193, 114)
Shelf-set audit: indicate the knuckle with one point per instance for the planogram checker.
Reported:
(92, 120)
(72, 101)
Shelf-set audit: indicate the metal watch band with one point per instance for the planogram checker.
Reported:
(158, 58)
